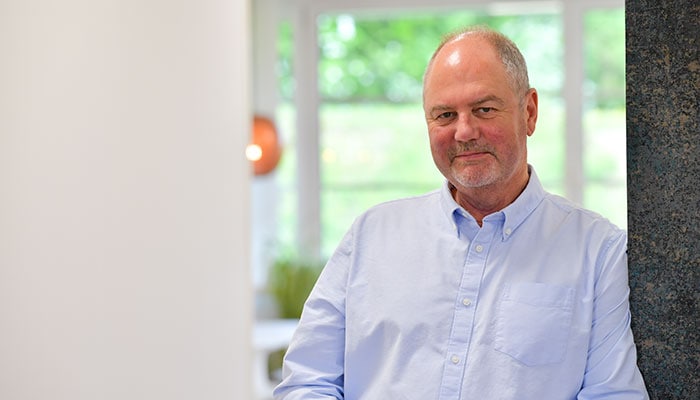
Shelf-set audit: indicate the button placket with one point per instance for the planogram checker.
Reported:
(460, 339)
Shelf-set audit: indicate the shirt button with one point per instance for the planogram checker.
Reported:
(508, 231)
(467, 302)
(454, 359)
(479, 248)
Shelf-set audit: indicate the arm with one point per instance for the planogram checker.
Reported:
(314, 363)
(611, 368)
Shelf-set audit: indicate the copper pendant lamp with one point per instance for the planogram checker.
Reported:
(265, 149)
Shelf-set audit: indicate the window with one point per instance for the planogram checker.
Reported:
(362, 135)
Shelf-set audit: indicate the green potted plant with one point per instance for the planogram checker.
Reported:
(290, 282)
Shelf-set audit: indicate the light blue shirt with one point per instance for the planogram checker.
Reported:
(419, 302)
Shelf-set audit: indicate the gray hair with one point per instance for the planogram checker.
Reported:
(512, 59)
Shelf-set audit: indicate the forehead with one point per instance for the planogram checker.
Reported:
(465, 67)
(463, 52)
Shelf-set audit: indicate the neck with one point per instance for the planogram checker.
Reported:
(482, 201)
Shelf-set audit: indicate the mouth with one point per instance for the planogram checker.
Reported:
(471, 156)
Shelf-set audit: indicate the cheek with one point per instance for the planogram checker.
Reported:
(438, 147)
(439, 138)
(506, 138)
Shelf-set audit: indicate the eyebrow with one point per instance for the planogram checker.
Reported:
(486, 99)
(440, 108)
(475, 103)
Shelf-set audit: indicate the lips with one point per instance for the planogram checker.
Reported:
(468, 154)
(472, 154)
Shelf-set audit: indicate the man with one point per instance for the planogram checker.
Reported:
(489, 288)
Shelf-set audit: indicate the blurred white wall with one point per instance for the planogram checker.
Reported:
(124, 200)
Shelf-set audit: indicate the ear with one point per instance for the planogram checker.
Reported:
(531, 110)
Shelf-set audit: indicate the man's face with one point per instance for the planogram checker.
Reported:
(478, 126)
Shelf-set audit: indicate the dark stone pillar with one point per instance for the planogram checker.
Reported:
(663, 168)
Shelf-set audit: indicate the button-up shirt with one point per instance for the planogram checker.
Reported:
(420, 302)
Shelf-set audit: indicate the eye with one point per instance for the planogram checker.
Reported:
(446, 115)
(485, 112)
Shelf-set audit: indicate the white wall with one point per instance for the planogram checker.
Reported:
(124, 199)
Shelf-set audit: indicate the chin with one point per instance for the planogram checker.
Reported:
(474, 179)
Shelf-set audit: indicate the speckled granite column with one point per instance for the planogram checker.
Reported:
(663, 137)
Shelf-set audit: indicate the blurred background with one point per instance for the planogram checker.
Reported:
(143, 257)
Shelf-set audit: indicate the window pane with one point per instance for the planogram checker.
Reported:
(604, 114)
(371, 152)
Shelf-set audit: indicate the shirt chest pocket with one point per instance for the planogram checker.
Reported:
(533, 321)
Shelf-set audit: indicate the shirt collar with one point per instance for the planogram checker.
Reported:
(513, 215)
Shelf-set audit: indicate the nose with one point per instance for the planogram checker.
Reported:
(466, 128)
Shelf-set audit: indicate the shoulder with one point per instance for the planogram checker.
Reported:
(583, 235)
(400, 213)
(403, 207)
(585, 221)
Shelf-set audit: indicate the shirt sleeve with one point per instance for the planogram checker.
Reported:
(611, 368)
(314, 363)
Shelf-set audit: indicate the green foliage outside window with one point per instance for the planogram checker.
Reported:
(382, 58)
(374, 144)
